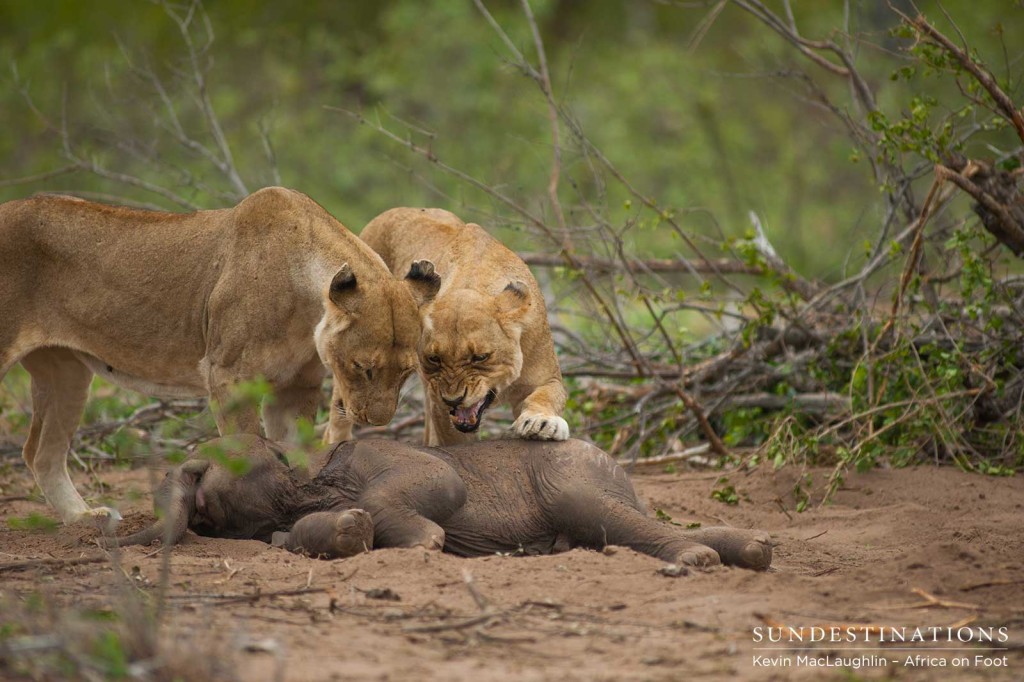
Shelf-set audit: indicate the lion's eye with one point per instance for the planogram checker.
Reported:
(369, 374)
(434, 359)
(481, 357)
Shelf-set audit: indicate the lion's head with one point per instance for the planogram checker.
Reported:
(369, 335)
(470, 349)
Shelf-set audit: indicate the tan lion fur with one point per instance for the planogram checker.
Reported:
(192, 304)
(489, 304)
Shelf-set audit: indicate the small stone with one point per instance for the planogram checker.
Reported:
(673, 570)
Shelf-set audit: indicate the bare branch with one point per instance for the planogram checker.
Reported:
(544, 81)
(977, 70)
(28, 179)
(806, 47)
(645, 265)
(225, 162)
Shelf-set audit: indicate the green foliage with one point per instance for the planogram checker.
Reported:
(657, 116)
(744, 426)
(708, 138)
(113, 641)
(725, 493)
(227, 452)
(33, 523)
(108, 403)
(108, 654)
(801, 493)
(248, 395)
(662, 515)
(306, 441)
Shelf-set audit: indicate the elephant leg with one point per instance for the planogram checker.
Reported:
(594, 518)
(594, 504)
(591, 518)
(329, 534)
(398, 525)
(409, 493)
(60, 387)
(736, 546)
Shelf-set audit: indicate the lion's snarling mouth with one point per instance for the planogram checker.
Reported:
(467, 419)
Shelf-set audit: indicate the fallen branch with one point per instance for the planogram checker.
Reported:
(221, 599)
(57, 563)
(457, 625)
(641, 266)
(686, 454)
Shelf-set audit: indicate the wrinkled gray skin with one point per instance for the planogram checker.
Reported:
(474, 499)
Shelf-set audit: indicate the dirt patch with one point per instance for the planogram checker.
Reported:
(924, 548)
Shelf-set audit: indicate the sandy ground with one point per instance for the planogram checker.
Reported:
(926, 547)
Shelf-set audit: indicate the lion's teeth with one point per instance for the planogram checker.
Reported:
(468, 415)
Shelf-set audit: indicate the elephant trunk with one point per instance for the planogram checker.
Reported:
(177, 496)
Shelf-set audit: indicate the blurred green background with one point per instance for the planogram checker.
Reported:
(710, 118)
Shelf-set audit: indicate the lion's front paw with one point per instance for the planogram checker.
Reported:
(104, 518)
(536, 426)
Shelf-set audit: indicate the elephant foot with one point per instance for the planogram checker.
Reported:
(698, 556)
(353, 533)
(744, 548)
(434, 543)
(331, 535)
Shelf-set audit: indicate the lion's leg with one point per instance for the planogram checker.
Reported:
(60, 387)
(538, 416)
(232, 414)
(300, 400)
(339, 426)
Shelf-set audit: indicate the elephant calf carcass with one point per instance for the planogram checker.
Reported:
(474, 499)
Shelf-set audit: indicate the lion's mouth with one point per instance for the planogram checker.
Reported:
(467, 419)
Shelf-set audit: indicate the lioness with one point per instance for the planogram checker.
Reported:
(485, 335)
(191, 304)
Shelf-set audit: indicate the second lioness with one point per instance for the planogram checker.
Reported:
(485, 336)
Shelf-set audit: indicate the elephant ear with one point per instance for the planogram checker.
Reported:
(343, 286)
(424, 281)
(195, 467)
(178, 495)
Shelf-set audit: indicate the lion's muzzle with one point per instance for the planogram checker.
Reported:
(467, 418)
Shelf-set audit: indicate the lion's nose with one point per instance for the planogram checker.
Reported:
(454, 402)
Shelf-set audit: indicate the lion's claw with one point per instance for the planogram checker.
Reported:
(534, 426)
(104, 518)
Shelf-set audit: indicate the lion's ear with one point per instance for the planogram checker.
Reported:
(342, 285)
(423, 280)
(514, 299)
